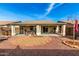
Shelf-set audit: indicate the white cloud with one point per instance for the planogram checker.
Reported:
(51, 6)
(48, 10)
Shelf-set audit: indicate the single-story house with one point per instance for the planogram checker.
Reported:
(37, 27)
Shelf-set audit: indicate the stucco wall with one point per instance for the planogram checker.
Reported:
(50, 29)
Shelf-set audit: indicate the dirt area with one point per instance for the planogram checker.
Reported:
(31, 42)
(54, 47)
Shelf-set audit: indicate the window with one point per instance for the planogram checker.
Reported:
(31, 28)
(45, 29)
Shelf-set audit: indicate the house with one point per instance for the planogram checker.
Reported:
(37, 27)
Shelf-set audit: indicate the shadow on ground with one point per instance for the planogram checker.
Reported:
(38, 52)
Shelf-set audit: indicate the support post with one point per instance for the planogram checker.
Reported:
(64, 30)
(13, 30)
(38, 30)
(57, 29)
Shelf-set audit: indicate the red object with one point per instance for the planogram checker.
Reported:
(76, 25)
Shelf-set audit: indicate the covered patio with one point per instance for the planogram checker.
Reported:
(38, 28)
(35, 28)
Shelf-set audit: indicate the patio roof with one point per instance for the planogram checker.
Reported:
(41, 22)
(68, 21)
(7, 22)
(38, 22)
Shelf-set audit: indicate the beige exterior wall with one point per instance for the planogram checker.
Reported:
(5, 30)
(27, 28)
(17, 29)
(0, 31)
(50, 29)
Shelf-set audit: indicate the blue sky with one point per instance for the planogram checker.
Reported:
(39, 11)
